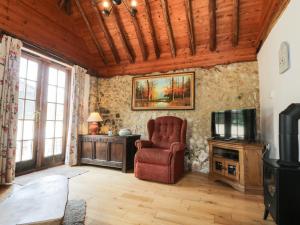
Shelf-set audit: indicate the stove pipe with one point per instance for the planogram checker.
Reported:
(288, 136)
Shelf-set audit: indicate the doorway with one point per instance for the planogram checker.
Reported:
(42, 114)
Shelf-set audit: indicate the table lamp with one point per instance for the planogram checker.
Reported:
(94, 118)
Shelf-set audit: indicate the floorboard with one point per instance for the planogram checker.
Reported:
(115, 198)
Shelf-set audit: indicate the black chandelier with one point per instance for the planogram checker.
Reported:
(107, 6)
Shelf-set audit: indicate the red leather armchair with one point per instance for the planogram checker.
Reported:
(161, 158)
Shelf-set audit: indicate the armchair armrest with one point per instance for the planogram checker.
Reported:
(177, 146)
(143, 144)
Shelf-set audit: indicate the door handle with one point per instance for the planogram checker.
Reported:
(37, 116)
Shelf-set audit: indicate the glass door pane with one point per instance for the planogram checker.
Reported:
(55, 118)
(27, 104)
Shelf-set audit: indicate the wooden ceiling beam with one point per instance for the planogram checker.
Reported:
(165, 8)
(106, 32)
(88, 25)
(139, 37)
(235, 22)
(125, 42)
(206, 60)
(190, 25)
(61, 3)
(212, 25)
(65, 5)
(152, 30)
(69, 7)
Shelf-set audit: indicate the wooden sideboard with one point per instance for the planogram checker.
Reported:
(238, 164)
(103, 150)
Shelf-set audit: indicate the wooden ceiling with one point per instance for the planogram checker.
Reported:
(165, 34)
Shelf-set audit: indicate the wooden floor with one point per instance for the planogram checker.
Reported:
(120, 199)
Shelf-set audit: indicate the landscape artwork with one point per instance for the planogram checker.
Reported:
(168, 91)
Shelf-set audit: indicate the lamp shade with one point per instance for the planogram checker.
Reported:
(94, 117)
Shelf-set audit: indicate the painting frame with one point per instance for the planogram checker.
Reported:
(191, 92)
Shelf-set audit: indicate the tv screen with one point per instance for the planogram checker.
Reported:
(237, 124)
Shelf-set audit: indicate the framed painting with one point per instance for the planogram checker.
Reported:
(164, 92)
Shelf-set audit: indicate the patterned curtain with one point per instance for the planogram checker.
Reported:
(10, 53)
(76, 118)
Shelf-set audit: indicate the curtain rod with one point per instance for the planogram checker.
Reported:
(38, 54)
(46, 52)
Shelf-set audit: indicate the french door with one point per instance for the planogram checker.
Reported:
(28, 105)
(53, 117)
(42, 117)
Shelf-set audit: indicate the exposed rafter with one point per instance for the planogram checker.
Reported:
(88, 24)
(139, 37)
(65, 5)
(212, 25)
(235, 22)
(152, 30)
(125, 42)
(106, 32)
(61, 3)
(190, 25)
(165, 8)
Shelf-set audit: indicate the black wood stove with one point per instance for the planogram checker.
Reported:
(282, 177)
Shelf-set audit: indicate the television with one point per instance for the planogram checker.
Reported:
(238, 124)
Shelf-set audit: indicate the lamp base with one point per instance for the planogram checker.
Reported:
(94, 128)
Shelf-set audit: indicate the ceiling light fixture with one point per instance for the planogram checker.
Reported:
(106, 6)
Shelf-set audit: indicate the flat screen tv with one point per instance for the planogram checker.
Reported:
(237, 124)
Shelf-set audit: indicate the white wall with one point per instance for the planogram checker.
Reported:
(277, 91)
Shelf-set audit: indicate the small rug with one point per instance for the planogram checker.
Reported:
(75, 212)
(66, 171)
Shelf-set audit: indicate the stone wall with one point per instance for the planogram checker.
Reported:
(219, 88)
(94, 97)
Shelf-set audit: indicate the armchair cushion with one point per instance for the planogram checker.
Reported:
(163, 131)
(154, 156)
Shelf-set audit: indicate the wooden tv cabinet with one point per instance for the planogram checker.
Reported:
(237, 163)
